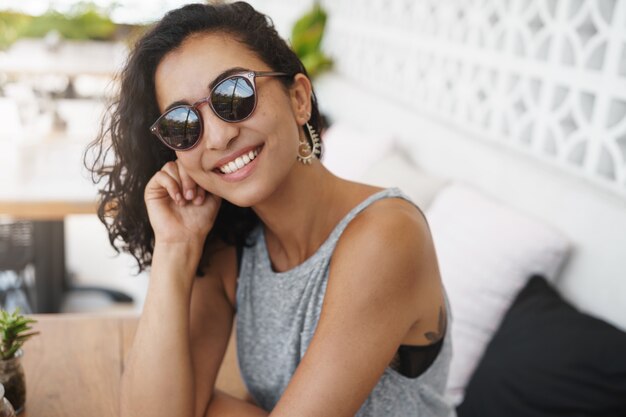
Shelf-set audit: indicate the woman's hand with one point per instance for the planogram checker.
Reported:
(180, 210)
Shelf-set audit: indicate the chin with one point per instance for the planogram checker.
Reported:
(246, 196)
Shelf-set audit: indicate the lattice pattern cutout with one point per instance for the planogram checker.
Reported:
(547, 77)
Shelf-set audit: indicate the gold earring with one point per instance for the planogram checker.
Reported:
(310, 147)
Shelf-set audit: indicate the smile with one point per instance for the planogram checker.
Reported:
(239, 162)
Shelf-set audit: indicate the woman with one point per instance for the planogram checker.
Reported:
(217, 186)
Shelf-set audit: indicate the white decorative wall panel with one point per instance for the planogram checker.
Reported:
(546, 77)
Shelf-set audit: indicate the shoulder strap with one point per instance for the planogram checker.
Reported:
(386, 193)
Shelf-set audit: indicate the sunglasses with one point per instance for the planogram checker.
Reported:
(233, 100)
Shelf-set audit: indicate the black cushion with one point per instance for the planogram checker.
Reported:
(549, 359)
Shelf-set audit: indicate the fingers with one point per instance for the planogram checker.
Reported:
(163, 181)
(189, 186)
(188, 190)
(170, 169)
(191, 191)
(200, 196)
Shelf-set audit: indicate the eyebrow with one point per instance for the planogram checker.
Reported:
(223, 75)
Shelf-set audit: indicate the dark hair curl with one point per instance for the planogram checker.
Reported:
(125, 155)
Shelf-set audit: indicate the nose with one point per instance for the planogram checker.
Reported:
(217, 134)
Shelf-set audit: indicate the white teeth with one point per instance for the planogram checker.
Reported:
(239, 162)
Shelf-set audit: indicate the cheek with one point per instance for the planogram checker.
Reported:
(280, 126)
(191, 163)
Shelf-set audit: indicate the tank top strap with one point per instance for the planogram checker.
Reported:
(341, 226)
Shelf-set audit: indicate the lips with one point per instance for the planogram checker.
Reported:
(238, 160)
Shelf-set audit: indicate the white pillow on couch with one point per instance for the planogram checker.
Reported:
(486, 253)
(395, 169)
(349, 151)
(376, 159)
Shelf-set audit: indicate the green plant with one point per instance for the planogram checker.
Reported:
(306, 40)
(84, 21)
(11, 27)
(14, 330)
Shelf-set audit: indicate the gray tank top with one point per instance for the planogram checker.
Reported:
(277, 313)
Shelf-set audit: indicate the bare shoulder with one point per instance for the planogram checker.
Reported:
(387, 251)
(392, 225)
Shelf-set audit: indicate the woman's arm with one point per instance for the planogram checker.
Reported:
(180, 341)
(383, 280)
(211, 318)
(186, 322)
(158, 377)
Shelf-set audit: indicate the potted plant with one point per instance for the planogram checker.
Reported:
(14, 330)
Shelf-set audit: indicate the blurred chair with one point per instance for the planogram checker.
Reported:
(18, 272)
(16, 266)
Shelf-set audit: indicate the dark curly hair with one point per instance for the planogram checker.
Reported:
(125, 155)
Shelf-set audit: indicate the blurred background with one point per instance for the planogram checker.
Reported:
(58, 61)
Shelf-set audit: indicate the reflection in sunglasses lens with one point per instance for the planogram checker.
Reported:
(233, 99)
(180, 127)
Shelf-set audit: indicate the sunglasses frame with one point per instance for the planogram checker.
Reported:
(249, 75)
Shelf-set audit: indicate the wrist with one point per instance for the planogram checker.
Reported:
(189, 246)
(177, 257)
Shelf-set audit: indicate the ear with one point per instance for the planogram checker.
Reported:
(300, 95)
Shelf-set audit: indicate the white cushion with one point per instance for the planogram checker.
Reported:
(486, 253)
(349, 151)
(396, 170)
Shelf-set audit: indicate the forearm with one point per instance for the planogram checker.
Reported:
(158, 378)
(225, 405)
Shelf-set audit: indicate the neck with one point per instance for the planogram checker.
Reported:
(296, 218)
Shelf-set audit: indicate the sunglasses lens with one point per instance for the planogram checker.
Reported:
(180, 127)
(233, 99)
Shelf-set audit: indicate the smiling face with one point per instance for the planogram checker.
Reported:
(243, 162)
